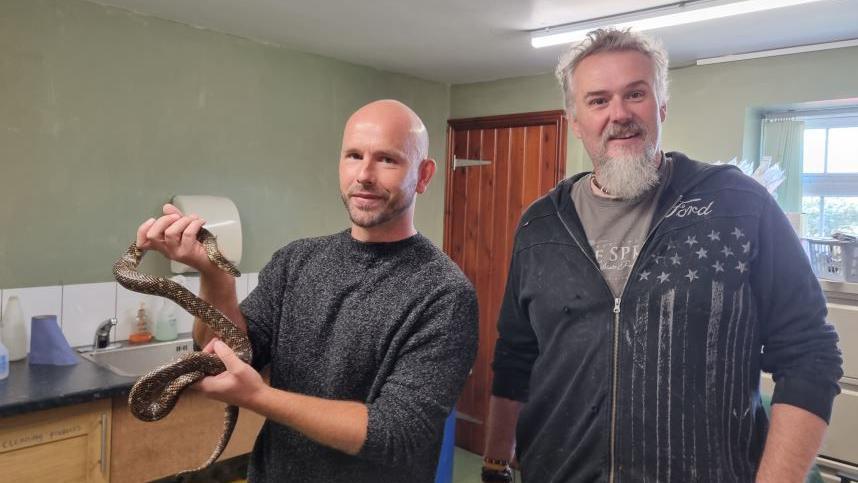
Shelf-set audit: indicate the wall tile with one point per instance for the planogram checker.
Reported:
(85, 306)
(37, 301)
(252, 281)
(241, 287)
(127, 304)
(80, 308)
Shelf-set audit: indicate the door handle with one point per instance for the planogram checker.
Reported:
(464, 163)
(103, 452)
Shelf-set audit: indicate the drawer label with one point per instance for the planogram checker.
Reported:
(31, 437)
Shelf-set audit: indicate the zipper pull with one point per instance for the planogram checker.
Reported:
(617, 306)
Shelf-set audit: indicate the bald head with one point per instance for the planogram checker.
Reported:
(384, 165)
(394, 119)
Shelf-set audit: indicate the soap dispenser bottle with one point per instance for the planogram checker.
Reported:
(141, 332)
(165, 322)
(14, 330)
(4, 361)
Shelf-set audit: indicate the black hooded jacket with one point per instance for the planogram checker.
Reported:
(661, 384)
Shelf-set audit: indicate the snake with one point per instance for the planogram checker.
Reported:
(156, 393)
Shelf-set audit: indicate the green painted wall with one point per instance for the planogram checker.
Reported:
(105, 114)
(714, 110)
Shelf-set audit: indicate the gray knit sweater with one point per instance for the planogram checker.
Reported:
(393, 325)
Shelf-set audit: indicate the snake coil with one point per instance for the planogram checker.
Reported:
(155, 394)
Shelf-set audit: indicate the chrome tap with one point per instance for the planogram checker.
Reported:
(102, 334)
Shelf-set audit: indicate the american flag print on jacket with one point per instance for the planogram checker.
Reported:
(661, 383)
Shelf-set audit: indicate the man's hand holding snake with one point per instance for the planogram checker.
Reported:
(175, 236)
(240, 385)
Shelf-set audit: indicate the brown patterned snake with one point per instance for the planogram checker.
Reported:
(155, 394)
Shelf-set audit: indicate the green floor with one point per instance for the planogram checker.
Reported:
(466, 467)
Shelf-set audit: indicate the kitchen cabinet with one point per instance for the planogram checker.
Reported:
(65, 444)
(101, 441)
(183, 440)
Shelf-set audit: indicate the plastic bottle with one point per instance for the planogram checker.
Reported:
(141, 332)
(4, 361)
(14, 332)
(165, 322)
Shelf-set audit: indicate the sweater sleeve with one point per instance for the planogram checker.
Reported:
(516, 348)
(799, 347)
(427, 378)
(262, 308)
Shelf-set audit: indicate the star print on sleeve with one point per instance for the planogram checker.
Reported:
(718, 266)
(676, 259)
(737, 233)
(746, 248)
(714, 236)
(644, 276)
(664, 277)
(691, 241)
(701, 254)
(727, 251)
(692, 275)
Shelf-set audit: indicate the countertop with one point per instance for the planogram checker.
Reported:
(36, 387)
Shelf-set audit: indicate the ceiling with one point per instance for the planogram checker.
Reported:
(462, 41)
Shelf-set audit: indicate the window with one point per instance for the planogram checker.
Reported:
(829, 178)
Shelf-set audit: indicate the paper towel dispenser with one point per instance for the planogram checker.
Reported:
(222, 219)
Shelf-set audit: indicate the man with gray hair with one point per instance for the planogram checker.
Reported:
(644, 299)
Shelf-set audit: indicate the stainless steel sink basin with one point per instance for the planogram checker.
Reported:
(136, 360)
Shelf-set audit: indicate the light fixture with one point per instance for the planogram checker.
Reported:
(785, 51)
(658, 17)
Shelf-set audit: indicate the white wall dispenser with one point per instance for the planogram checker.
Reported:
(222, 220)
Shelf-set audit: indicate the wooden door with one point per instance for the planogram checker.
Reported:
(526, 156)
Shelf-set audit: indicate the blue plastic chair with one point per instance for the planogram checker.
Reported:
(444, 472)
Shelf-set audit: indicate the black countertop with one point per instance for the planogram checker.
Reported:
(36, 387)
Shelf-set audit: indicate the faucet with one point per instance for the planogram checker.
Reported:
(102, 334)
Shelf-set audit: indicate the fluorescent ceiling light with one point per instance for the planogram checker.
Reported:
(655, 18)
(785, 51)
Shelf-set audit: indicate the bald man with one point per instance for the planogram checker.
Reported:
(369, 333)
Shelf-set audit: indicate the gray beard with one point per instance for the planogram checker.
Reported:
(628, 176)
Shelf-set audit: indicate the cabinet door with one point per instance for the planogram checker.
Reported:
(181, 441)
(65, 444)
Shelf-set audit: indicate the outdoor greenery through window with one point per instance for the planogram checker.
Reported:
(830, 175)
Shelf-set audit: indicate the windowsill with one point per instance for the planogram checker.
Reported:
(848, 288)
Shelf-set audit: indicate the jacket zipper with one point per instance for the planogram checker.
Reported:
(614, 378)
(617, 300)
(617, 335)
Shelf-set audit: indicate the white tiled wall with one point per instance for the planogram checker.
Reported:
(84, 307)
(127, 304)
(252, 281)
(80, 308)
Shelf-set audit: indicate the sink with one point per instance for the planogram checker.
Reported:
(137, 360)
